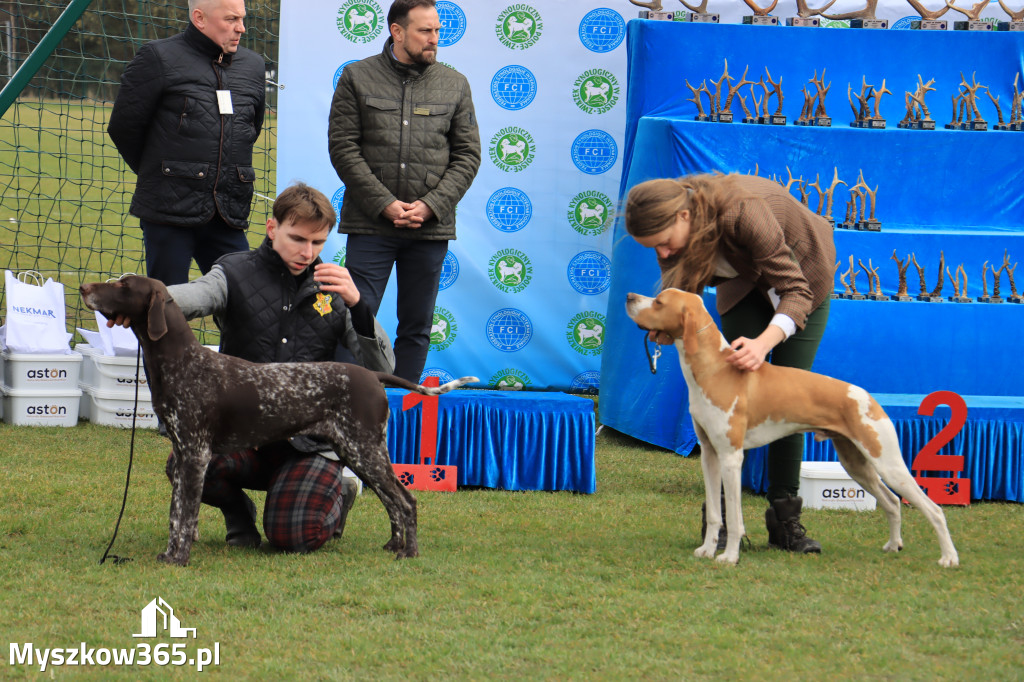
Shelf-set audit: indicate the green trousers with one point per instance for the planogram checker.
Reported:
(749, 318)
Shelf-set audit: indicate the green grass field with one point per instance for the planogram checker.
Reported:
(509, 585)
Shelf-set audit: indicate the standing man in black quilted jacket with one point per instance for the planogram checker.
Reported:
(185, 120)
(403, 137)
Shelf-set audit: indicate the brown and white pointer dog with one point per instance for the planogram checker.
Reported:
(217, 403)
(734, 410)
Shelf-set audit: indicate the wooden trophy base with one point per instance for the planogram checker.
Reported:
(869, 225)
(961, 299)
(724, 117)
(853, 297)
(928, 298)
(869, 123)
(902, 298)
(990, 299)
(1015, 299)
(929, 25)
(869, 23)
(805, 22)
(757, 20)
(657, 16)
(972, 26)
(696, 18)
(917, 125)
(1010, 26)
(878, 297)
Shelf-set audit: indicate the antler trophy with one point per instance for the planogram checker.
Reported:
(929, 18)
(807, 16)
(918, 117)
(862, 18)
(760, 16)
(974, 22)
(902, 266)
(654, 10)
(1016, 22)
(700, 14)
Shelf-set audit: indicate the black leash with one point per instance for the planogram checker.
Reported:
(652, 360)
(131, 456)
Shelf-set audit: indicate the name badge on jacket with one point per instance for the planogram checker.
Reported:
(224, 102)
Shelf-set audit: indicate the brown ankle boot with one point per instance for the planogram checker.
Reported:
(784, 528)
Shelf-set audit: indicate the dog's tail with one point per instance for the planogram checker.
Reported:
(399, 382)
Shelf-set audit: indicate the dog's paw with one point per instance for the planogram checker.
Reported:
(705, 551)
(174, 561)
(949, 561)
(726, 558)
(892, 546)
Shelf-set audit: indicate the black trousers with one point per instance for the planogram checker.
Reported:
(417, 264)
(170, 250)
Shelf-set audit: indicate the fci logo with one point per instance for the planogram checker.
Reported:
(359, 22)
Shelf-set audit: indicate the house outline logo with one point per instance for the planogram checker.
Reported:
(158, 612)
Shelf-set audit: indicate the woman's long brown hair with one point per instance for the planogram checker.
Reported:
(652, 206)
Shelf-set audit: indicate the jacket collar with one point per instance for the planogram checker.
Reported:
(202, 44)
(404, 70)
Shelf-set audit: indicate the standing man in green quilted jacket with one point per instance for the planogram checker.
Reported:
(403, 137)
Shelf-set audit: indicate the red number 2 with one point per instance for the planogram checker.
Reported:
(943, 490)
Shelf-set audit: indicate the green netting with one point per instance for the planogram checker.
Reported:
(65, 190)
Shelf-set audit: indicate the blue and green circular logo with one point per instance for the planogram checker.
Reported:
(510, 379)
(590, 213)
(510, 271)
(602, 30)
(509, 330)
(589, 272)
(509, 209)
(596, 91)
(513, 87)
(360, 21)
(443, 329)
(585, 333)
(594, 152)
(512, 149)
(519, 27)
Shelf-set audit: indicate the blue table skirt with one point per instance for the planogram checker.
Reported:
(991, 443)
(511, 440)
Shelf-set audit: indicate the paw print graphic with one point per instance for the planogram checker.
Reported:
(437, 474)
(951, 488)
(406, 478)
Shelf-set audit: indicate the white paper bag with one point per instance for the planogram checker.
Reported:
(116, 340)
(36, 316)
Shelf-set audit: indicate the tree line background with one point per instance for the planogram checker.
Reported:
(89, 60)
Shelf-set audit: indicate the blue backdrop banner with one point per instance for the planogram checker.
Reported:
(524, 289)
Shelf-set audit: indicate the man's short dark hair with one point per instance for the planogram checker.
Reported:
(399, 12)
(301, 203)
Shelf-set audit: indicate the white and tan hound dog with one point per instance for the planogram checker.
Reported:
(734, 410)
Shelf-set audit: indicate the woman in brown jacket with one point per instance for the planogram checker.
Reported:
(771, 261)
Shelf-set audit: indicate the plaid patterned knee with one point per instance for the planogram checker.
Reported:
(304, 503)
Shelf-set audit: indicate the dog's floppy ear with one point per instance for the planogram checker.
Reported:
(157, 323)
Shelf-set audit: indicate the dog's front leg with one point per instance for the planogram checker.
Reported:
(712, 494)
(732, 465)
(186, 493)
